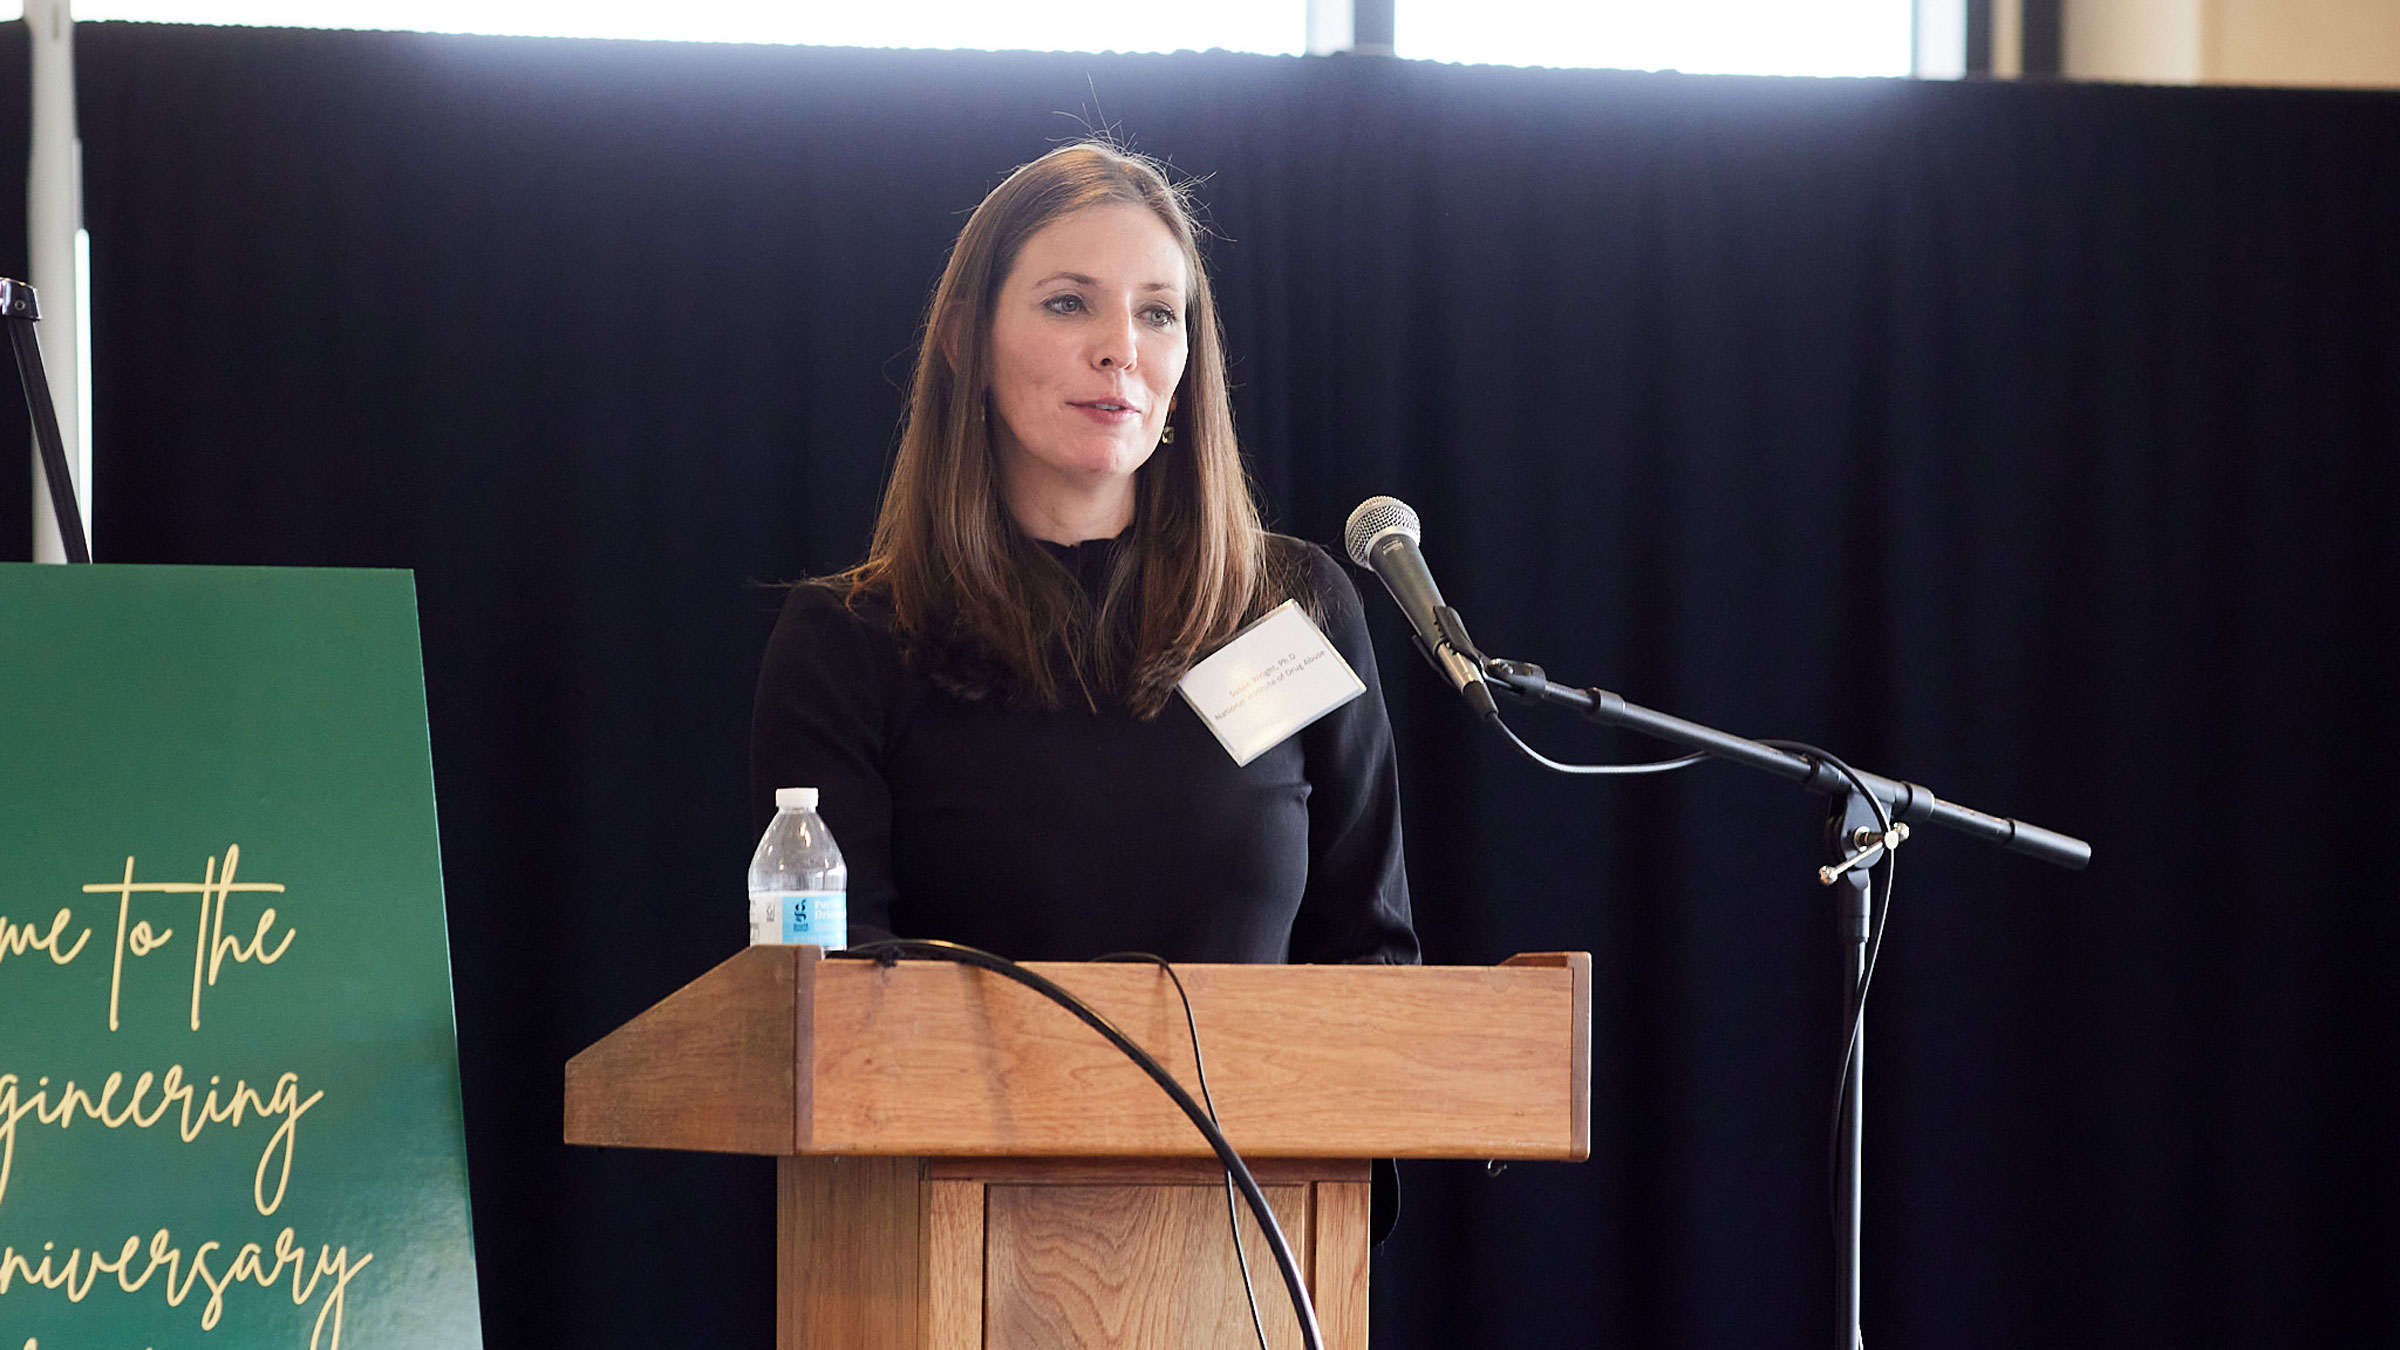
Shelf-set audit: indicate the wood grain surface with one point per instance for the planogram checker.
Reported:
(1132, 1268)
(1146, 1171)
(1304, 1061)
(777, 1051)
(954, 1265)
(880, 1253)
(714, 1066)
(852, 1253)
(1578, 966)
(1338, 1261)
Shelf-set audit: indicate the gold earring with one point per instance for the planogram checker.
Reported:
(1167, 437)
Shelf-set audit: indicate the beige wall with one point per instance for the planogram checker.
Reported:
(2300, 42)
(2151, 41)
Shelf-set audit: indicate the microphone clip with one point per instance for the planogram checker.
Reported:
(1868, 845)
(1455, 656)
(1454, 634)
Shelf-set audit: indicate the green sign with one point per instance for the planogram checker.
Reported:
(229, 1101)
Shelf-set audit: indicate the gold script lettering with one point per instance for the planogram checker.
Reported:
(210, 946)
(18, 939)
(252, 1264)
(195, 1112)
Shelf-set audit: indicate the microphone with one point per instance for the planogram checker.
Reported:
(1382, 538)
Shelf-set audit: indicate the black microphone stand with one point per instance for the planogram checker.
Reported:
(1870, 816)
(18, 307)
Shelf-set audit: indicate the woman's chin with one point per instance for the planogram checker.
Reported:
(1081, 465)
(1102, 464)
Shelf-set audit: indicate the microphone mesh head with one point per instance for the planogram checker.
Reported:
(1375, 518)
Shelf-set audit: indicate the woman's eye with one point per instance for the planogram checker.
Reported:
(1162, 316)
(1064, 304)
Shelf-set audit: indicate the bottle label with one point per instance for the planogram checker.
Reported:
(820, 918)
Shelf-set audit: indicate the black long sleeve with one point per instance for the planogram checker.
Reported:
(1068, 834)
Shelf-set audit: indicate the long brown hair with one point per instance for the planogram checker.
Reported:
(979, 606)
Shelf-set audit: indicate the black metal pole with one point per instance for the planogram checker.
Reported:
(1857, 892)
(20, 309)
(1907, 801)
(1855, 821)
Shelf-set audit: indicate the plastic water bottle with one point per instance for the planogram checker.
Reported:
(799, 885)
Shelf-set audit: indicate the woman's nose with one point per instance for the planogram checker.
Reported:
(1115, 345)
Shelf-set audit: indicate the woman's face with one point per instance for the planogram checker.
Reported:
(1088, 344)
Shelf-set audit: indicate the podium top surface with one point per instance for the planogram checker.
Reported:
(780, 1051)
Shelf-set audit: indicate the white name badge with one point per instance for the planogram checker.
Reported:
(1275, 677)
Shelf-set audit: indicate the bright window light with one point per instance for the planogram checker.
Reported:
(1005, 25)
(1729, 37)
(1711, 37)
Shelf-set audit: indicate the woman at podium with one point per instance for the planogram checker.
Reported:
(988, 702)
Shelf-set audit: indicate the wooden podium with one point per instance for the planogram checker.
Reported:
(965, 1166)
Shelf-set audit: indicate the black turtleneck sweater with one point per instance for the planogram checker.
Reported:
(1069, 834)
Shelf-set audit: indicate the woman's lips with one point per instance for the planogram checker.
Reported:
(1107, 410)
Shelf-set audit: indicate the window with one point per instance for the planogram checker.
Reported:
(1715, 37)
(1037, 25)
(1757, 37)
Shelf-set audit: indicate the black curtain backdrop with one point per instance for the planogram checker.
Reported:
(2033, 442)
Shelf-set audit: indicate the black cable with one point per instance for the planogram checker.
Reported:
(1858, 1008)
(890, 951)
(1653, 766)
(1233, 1218)
(1883, 815)
(1881, 912)
(49, 447)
